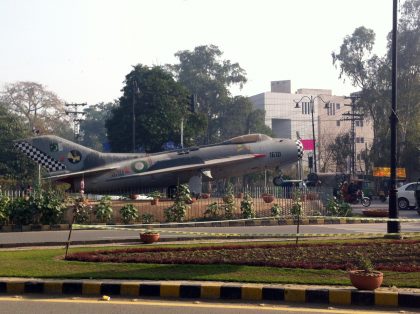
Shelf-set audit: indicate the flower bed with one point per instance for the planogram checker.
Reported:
(401, 255)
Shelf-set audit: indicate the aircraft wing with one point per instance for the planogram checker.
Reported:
(79, 173)
(205, 164)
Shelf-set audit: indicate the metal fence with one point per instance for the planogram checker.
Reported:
(313, 203)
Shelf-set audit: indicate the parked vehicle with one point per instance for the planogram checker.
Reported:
(406, 196)
(360, 197)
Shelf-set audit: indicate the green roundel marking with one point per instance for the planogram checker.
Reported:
(139, 166)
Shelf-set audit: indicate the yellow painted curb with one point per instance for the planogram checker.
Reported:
(169, 290)
(251, 293)
(340, 297)
(129, 289)
(386, 298)
(210, 291)
(295, 295)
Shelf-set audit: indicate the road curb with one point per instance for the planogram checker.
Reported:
(210, 290)
(228, 223)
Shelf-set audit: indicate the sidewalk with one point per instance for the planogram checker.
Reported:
(332, 295)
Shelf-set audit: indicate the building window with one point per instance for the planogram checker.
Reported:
(331, 109)
(362, 140)
(357, 139)
(337, 106)
(361, 122)
(357, 122)
(358, 157)
(338, 122)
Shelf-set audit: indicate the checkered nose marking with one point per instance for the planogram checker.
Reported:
(299, 149)
(43, 159)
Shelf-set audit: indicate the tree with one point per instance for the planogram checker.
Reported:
(40, 108)
(341, 148)
(239, 117)
(13, 165)
(372, 74)
(203, 73)
(93, 126)
(159, 103)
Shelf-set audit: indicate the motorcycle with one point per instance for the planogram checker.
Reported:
(360, 198)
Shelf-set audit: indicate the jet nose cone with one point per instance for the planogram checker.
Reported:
(299, 149)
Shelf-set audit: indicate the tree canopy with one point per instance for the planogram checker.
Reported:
(372, 74)
(159, 104)
(13, 165)
(40, 108)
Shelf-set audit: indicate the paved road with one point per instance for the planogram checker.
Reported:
(138, 306)
(132, 235)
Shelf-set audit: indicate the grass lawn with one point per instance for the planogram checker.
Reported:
(49, 263)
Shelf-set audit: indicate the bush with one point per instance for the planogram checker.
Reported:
(296, 209)
(21, 213)
(229, 202)
(275, 210)
(212, 211)
(338, 208)
(50, 206)
(177, 212)
(103, 211)
(128, 213)
(81, 210)
(247, 207)
(147, 218)
(4, 208)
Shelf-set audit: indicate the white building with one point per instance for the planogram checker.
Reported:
(287, 120)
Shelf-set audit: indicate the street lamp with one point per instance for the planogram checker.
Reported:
(311, 102)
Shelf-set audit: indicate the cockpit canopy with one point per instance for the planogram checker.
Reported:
(248, 138)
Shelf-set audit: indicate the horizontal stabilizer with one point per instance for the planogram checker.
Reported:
(82, 173)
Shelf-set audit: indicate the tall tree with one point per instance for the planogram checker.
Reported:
(341, 151)
(239, 117)
(159, 104)
(204, 73)
(13, 165)
(93, 126)
(40, 108)
(372, 74)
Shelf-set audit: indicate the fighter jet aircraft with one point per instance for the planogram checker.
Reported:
(106, 173)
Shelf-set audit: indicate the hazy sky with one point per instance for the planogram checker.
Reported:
(82, 49)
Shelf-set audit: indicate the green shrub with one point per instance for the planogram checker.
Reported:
(128, 213)
(338, 208)
(50, 205)
(4, 208)
(81, 210)
(247, 207)
(296, 209)
(103, 211)
(177, 212)
(147, 218)
(229, 206)
(275, 210)
(212, 211)
(21, 213)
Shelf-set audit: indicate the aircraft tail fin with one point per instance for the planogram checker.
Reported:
(59, 155)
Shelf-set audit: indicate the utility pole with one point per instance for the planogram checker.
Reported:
(393, 226)
(77, 117)
(352, 116)
(136, 91)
